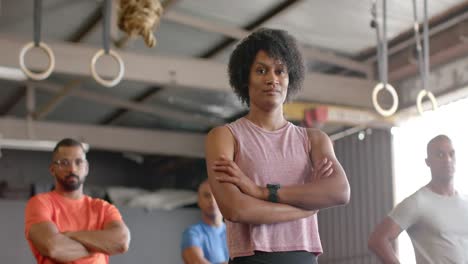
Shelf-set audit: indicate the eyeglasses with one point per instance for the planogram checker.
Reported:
(64, 163)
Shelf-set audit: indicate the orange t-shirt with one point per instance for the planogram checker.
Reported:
(84, 214)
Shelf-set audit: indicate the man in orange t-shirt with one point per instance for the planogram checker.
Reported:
(66, 226)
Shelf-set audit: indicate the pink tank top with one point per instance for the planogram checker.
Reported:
(280, 156)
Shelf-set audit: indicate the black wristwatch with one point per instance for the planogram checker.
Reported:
(273, 192)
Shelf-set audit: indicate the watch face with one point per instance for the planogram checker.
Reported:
(273, 185)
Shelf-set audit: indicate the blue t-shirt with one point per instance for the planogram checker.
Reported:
(211, 239)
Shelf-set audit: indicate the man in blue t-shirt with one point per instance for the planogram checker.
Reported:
(205, 242)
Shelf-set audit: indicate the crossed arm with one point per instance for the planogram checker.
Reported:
(322, 192)
(241, 200)
(70, 246)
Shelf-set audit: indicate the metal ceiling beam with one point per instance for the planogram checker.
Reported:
(119, 139)
(235, 34)
(154, 110)
(437, 24)
(239, 33)
(50, 106)
(88, 25)
(450, 53)
(119, 113)
(276, 10)
(205, 25)
(190, 73)
(13, 100)
(445, 46)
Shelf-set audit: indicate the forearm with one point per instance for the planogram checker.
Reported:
(246, 209)
(63, 249)
(315, 195)
(108, 241)
(384, 251)
(55, 245)
(273, 213)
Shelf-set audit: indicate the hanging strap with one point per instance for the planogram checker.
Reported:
(417, 38)
(106, 12)
(423, 58)
(37, 43)
(382, 46)
(426, 47)
(422, 49)
(382, 62)
(376, 26)
(37, 22)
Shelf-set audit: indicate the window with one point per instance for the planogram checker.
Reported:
(409, 145)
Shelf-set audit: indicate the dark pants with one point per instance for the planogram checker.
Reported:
(288, 257)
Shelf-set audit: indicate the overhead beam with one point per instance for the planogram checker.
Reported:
(437, 24)
(109, 138)
(445, 46)
(337, 90)
(205, 25)
(13, 100)
(444, 56)
(141, 98)
(48, 107)
(89, 25)
(448, 81)
(191, 73)
(239, 33)
(269, 14)
(107, 99)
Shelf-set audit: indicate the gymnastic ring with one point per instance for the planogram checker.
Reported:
(423, 93)
(40, 75)
(117, 58)
(375, 102)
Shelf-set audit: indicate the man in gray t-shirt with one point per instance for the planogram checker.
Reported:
(435, 217)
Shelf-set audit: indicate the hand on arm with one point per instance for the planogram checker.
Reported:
(113, 239)
(233, 203)
(51, 243)
(194, 255)
(229, 172)
(323, 170)
(380, 241)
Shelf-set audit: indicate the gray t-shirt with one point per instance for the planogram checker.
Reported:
(437, 226)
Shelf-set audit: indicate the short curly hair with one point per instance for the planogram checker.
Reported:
(278, 44)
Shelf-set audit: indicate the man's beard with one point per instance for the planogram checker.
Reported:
(70, 186)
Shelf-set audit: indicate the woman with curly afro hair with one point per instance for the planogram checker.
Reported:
(269, 176)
